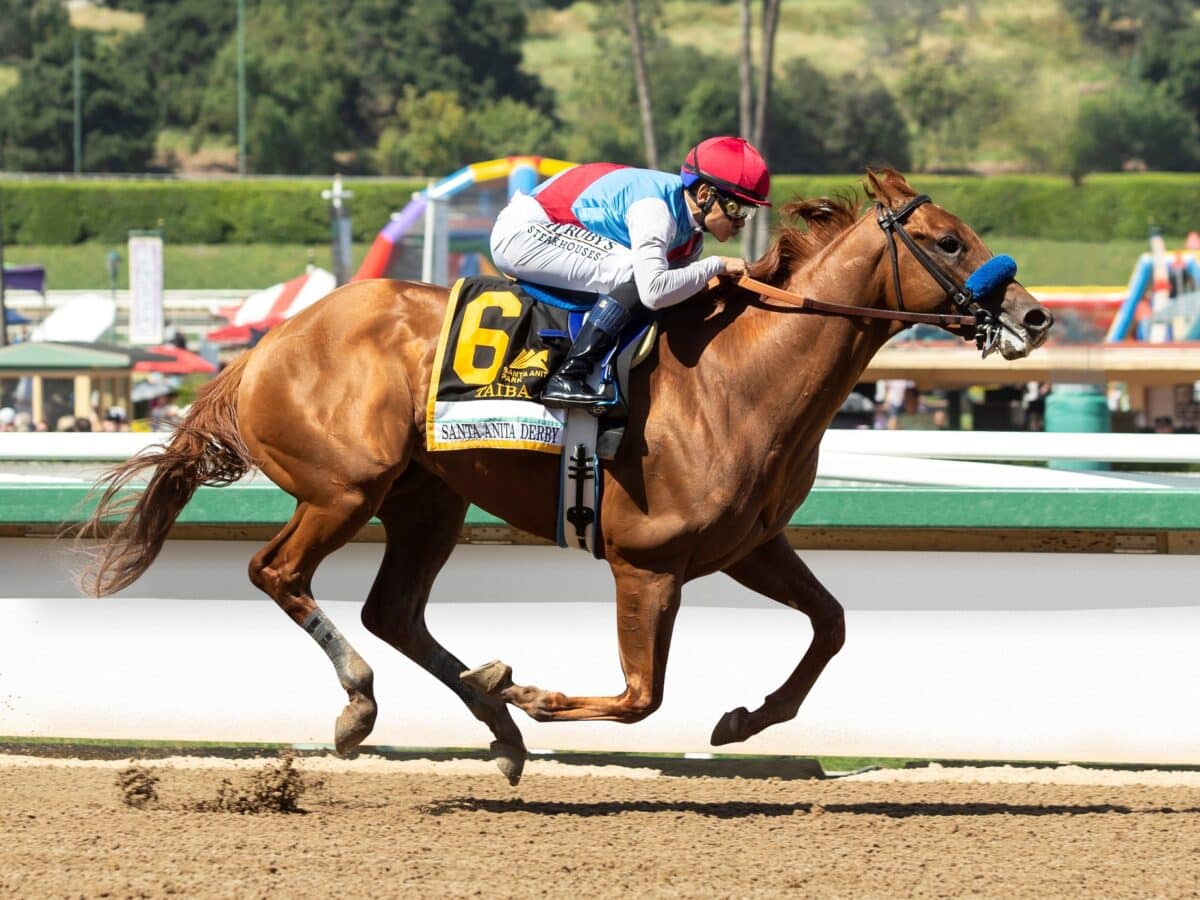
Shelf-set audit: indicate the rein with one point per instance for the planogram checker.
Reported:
(973, 321)
(808, 304)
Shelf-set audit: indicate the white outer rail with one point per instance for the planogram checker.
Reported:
(1018, 445)
(968, 445)
(932, 458)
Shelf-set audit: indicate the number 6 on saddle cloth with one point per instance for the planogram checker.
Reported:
(499, 343)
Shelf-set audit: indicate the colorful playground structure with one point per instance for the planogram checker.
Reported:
(469, 234)
(1162, 302)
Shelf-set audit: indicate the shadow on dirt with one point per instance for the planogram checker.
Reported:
(742, 810)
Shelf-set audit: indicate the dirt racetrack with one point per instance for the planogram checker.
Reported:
(373, 828)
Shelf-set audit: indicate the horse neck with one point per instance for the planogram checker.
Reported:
(819, 358)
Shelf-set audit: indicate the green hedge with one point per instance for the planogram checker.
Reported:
(190, 212)
(1103, 208)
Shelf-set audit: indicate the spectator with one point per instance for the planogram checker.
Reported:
(1164, 425)
(894, 394)
(65, 423)
(115, 419)
(7, 416)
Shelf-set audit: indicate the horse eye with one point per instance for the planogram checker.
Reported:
(949, 243)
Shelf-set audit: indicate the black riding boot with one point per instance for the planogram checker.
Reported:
(568, 386)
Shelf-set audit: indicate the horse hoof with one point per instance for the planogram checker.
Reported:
(490, 678)
(730, 728)
(353, 726)
(510, 761)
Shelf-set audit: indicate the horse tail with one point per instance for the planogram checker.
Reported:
(206, 449)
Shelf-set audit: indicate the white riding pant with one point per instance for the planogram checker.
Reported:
(527, 245)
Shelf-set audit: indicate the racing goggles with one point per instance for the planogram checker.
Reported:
(734, 209)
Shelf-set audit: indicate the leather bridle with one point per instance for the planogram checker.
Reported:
(973, 312)
(974, 320)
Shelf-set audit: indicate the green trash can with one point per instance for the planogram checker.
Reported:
(1078, 408)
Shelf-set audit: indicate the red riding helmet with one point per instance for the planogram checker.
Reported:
(732, 166)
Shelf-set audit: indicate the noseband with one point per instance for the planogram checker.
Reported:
(965, 297)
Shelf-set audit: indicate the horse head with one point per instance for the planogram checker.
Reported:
(948, 268)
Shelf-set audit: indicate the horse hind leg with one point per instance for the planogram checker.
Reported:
(284, 569)
(423, 519)
(647, 602)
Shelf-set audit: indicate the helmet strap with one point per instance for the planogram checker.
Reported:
(705, 207)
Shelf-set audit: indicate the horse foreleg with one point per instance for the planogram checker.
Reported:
(775, 571)
(284, 569)
(647, 603)
(423, 521)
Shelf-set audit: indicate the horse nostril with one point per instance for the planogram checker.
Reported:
(1038, 319)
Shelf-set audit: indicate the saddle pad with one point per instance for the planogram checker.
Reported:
(490, 365)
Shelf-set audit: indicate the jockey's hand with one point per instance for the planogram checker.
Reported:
(734, 265)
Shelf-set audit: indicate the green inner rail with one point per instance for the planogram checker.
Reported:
(826, 507)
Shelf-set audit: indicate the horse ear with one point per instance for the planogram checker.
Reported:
(887, 186)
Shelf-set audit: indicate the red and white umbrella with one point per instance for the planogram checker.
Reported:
(181, 362)
(267, 308)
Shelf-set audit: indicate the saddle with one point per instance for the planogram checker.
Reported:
(500, 341)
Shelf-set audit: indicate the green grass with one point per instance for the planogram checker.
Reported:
(251, 266)
(1043, 262)
(185, 266)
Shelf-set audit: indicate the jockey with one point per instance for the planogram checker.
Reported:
(633, 236)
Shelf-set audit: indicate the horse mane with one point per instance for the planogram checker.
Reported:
(823, 220)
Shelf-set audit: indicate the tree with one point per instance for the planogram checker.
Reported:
(1122, 24)
(745, 71)
(119, 114)
(709, 106)
(643, 87)
(36, 116)
(866, 127)
(28, 23)
(897, 26)
(469, 47)
(301, 95)
(1173, 61)
(952, 102)
(823, 125)
(177, 48)
(756, 236)
(1138, 125)
(800, 120)
(509, 127)
(431, 135)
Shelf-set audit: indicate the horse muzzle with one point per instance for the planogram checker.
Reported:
(1021, 327)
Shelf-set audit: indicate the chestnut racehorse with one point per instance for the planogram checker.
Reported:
(719, 452)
